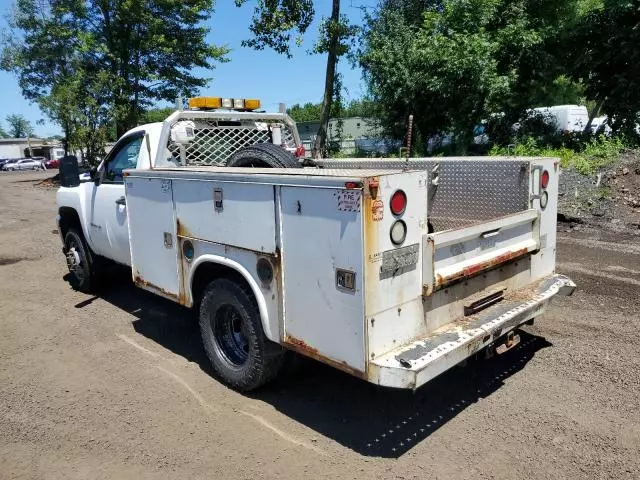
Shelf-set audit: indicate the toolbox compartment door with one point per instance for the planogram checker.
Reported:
(453, 255)
(323, 275)
(152, 236)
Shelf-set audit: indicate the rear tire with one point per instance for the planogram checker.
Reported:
(233, 337)
(83, 267)
(263, 155)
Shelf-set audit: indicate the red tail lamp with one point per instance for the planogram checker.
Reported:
(544, 179)
(398, 202)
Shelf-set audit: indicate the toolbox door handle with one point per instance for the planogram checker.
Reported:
(490, 233)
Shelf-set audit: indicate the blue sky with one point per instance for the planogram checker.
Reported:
(265, 75)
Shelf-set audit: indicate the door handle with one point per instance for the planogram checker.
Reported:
(490, 233)
(121, 201)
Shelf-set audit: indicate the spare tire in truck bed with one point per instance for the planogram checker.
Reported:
(263, 155)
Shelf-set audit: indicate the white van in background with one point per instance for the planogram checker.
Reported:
(567, 118)
(600, 124)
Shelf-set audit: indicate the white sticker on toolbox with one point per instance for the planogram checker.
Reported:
(348, 200)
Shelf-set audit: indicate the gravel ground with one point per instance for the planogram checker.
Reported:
(117, 386)
(609, 199)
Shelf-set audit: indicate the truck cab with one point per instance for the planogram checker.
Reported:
(97, 205)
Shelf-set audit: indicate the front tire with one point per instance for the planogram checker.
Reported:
(80, 261)
(233, 337)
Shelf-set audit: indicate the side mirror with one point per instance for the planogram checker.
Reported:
(93, 174)
(69, 172)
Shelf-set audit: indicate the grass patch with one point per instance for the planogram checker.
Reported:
(595, 154)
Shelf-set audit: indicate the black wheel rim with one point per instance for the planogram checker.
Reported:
(229, 333)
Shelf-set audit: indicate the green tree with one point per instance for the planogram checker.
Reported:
(153, 115)
(607, 43)
(146, 50)
(309, 112)
(452, 63)
(280, 24)
(19, 127)
(363, 107)
(76, 105)
(312, 112)
(3, 134)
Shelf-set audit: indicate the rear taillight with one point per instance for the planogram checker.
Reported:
(544, 179)
(398, 232)
(398, 202)
(398, 205)
(300, 151)
(544, 199)
(544, 183)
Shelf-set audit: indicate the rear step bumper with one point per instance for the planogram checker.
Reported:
(414, 364)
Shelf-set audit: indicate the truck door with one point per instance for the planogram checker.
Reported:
(108, 227)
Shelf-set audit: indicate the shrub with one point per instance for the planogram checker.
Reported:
(591, 157)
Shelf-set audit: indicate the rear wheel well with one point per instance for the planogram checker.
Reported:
(68, 219)
(210, 271)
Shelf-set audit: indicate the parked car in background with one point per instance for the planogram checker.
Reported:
(6, 165)
(23, 164)
(53, 163)
(42, 160)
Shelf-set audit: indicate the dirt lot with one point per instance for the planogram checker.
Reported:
(118, 386)
(608, 199)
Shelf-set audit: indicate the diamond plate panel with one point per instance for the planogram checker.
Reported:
(476, 191)
(469, 190)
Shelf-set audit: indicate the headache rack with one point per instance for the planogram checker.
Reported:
(221, 133)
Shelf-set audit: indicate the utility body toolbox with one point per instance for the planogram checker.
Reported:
(391, 271)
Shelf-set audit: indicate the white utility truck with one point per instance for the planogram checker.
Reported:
(391, 270)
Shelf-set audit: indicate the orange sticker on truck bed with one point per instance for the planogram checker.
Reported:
(377, 210)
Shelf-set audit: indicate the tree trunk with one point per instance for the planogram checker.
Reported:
(593, 114)
(122, 126)
(320, 143)
(67, 134)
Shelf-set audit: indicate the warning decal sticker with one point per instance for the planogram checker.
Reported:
(348, 200)
(377, 210)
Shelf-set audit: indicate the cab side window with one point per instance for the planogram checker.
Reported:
(126, 157)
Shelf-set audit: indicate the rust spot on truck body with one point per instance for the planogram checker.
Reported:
(142, 283)
(182, 230)
(477, 268)
(182, 279)
(371, 241)
(302, 348)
